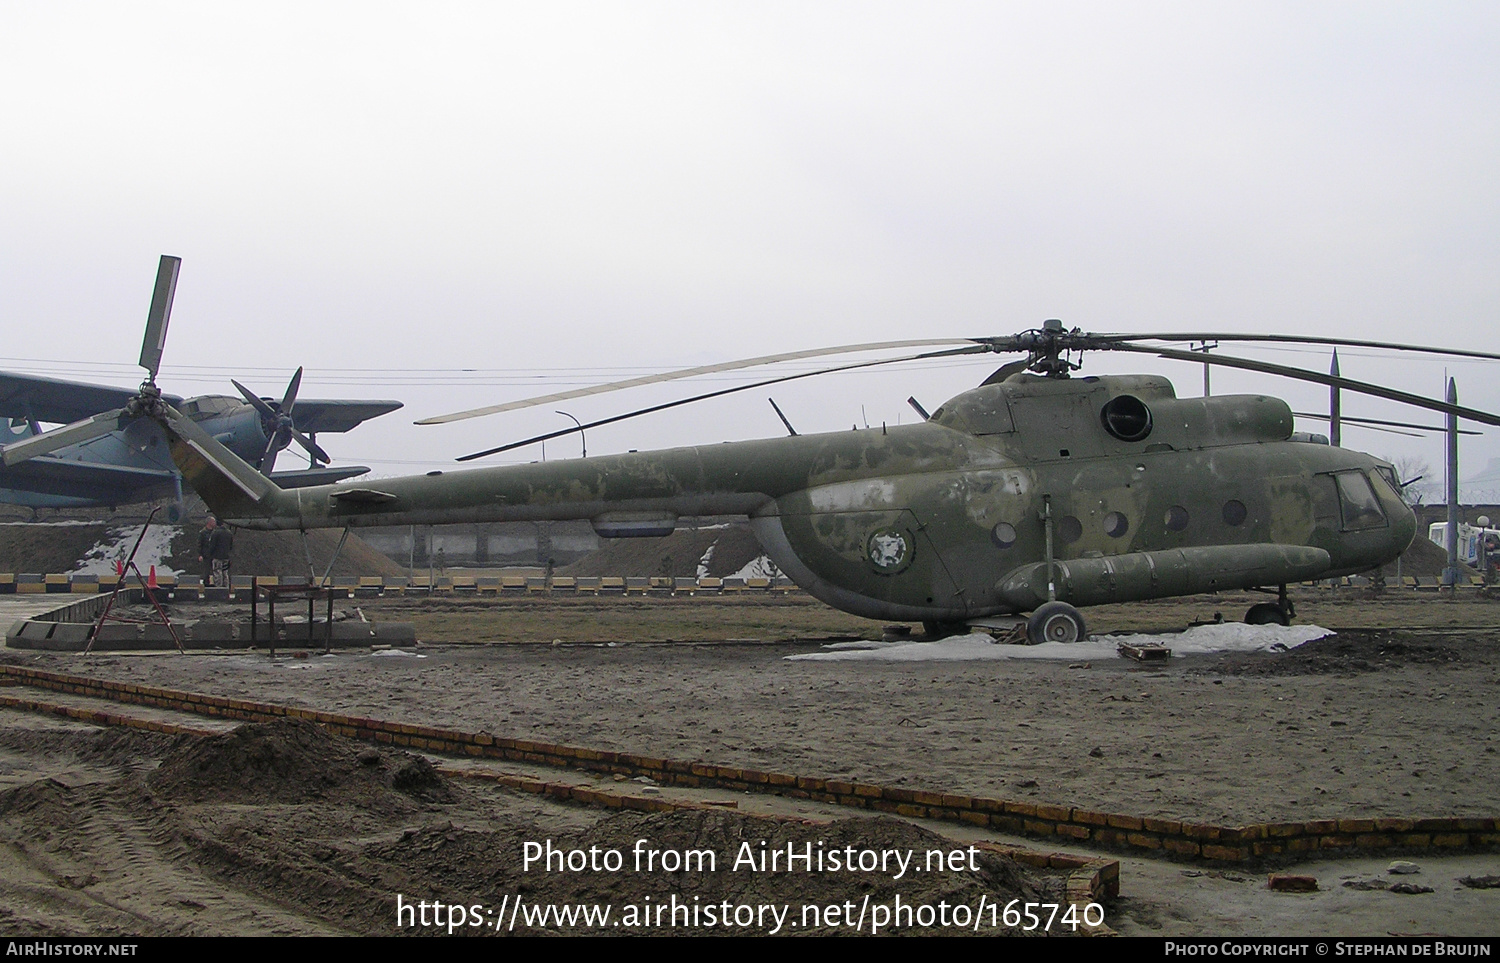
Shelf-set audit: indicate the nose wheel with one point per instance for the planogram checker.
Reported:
(1055, 622)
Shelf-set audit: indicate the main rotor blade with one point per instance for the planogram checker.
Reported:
(1376, 421)
(75, 434)
(160, 314)
(1301, 374)
(1296, 339)
(973, 349)
(191, 434)
(1389, 431)
(688, 373)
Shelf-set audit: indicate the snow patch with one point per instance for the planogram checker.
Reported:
(116, 546)
(55, 524)
(708, 556)
(759, 567)
(1199, 640)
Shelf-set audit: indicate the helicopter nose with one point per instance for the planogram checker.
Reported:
(1403, 526)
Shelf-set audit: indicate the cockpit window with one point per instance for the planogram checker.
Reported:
(1357, 501)
(984, 411)
(206, 406)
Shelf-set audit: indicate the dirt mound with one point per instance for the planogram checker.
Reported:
(127, 748)
(61, 546)
(287, 761)
(1355, 650)
(280, 553)
(484, 866)
(47, 797)
(728, 548)
(1424, 559)
(47, 548)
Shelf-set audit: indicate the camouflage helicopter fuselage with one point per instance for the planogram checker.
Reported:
(1089, 490)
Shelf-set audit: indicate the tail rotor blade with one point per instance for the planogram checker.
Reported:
(160, 314)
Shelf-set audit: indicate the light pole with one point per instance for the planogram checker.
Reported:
(582, 437)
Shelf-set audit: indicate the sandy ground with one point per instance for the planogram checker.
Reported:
(1368, 723)
(1371, 722)
(282, 830)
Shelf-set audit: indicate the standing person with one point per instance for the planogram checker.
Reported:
(222, 548)
(206, 550)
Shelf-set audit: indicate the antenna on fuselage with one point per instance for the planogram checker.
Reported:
(789, 429)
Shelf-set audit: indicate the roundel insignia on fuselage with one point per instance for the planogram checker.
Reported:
(889, 550)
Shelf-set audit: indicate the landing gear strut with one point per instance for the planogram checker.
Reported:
(1279, 612)
(942, 630)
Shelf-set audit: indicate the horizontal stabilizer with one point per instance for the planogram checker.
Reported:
(308, 477)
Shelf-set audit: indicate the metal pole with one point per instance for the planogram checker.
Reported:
(1450, 574)
(1047, 524)
(1205, 347)
(328, 575)
(1335, 426)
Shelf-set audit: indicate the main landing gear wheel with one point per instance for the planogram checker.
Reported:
(1055, 622)
(1267, 613)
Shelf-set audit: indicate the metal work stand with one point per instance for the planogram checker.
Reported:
(310, 592)
(149, 592)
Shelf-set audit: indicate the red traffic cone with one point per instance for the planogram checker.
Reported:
(120, 567)
(151, 578)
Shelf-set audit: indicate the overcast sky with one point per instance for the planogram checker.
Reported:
(455, 205)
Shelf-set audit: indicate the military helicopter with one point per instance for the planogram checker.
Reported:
(1035, 492)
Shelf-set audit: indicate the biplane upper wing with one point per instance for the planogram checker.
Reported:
(56, 401)
(319, 416)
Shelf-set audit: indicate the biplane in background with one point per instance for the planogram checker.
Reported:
(108, 455)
